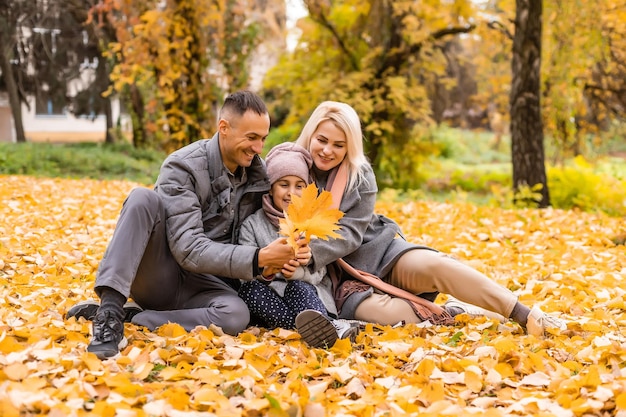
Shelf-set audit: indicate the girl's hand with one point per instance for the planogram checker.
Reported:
(290, 268)
(303, 254)
(269, 271)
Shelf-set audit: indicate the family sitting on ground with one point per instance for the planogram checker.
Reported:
(203, 247)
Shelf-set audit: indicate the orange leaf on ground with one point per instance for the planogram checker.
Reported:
(53, 233)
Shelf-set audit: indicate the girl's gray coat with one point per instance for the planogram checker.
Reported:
(258, 231)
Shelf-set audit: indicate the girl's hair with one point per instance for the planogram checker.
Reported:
(345, 118)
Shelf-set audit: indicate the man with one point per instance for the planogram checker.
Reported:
(173, 248)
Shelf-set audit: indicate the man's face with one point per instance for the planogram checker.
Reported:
(242, 138)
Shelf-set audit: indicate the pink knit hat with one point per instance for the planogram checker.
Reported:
(287, 158)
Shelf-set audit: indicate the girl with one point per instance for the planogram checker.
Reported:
(277, 297)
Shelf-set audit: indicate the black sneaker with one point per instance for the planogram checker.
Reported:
(87, 309)
(131, 308)
(108, 335)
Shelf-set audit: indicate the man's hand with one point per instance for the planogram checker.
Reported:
(269, 271)
(276, 254)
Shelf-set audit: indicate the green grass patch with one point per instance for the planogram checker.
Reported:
(468, 147)
(84, 160)
(468, 168)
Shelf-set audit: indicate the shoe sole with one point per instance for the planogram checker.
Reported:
(475, 311)
(315, 329)
(110, 353)
(86, 309)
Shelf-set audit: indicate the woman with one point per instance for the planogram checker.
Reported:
(374, 243)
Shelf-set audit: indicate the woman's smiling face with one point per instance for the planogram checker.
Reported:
(328, 146)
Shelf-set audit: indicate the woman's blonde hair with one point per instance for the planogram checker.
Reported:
(345, 118)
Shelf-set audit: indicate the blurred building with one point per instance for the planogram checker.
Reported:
(44, 122)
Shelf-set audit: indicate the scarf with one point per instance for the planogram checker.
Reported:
(272, 213)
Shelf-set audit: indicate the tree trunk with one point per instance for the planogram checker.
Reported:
(9, 80)
(108, 111)
(137, 117)
(526, 126)
(103, 74)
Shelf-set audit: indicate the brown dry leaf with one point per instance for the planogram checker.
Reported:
(53, 234)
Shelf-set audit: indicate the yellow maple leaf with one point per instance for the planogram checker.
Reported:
(311, 217)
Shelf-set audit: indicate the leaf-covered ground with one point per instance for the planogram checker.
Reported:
(54, 232)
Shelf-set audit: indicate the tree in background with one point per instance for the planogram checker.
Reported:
(583, 70)
(68, 63)
(489, 52)
(13, 62)
(526, 125)
(572, 45)
(605, 87)
(116, 19)
(91, 100)
(48, 52)
(176, 60)
(382, 57)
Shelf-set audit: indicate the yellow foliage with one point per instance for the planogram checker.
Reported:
(164, 54)
(385, 59)
(54, 232)
(576, 185)
(310, 216)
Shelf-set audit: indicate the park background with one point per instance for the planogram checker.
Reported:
(509, 157)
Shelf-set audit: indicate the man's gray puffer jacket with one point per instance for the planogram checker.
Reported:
(203, 211)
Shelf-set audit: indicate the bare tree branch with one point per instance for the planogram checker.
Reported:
(494, 24)
(453, 31)
(316, 13)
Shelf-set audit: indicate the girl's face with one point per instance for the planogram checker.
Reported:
(328, 146)
(284, 188)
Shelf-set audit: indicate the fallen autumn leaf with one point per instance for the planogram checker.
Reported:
(53, 233)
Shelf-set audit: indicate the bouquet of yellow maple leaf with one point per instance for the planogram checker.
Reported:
(310, 216)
